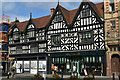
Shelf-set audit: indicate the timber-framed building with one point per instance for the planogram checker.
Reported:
(64, 38)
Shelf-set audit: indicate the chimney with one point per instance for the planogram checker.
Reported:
(52, 11)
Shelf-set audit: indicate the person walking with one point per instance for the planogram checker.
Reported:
(20, 67)
(74, 70)
(53, 69)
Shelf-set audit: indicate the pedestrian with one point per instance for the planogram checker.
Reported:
(20, 67)
(13, 72)
(74, 70)
(53, 69)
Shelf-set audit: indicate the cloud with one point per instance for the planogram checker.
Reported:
(20, 18)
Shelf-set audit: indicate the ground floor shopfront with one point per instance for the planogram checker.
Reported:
(31, 63)
(93, 62)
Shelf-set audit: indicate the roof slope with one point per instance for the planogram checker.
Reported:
(68, 14)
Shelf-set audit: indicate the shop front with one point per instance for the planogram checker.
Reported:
(32, 65)
(91, 61)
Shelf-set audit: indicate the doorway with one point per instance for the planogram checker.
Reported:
(115, 63)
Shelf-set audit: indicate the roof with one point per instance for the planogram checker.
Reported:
(68, 14)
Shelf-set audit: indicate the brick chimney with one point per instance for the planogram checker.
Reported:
(52, 11)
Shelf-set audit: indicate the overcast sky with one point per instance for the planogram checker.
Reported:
(22, 8)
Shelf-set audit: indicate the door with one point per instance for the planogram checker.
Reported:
(115, 64)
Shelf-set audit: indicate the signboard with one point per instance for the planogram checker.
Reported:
(18, 67)
(26, 66)
(42, 65)
(33, 67)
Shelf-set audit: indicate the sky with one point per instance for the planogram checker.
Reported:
(22, 8)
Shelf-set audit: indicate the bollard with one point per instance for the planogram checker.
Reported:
(113, 76)
(119, 76)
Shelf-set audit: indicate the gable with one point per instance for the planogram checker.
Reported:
(87, 10)
(58, 20)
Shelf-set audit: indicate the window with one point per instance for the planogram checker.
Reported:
(110, 49)
(112, 7)
(31, 34)
(56, 39)
(111, 1)
(112, 24)
(34, 48)
(16, 36)
(118, 48)
(85, 37)
(19, 49)
(115, 49)
(85, 12)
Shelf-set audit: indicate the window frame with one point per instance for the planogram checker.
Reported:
(52, 41)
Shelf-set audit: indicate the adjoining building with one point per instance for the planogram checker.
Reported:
(64, 38)
(112, 35)
(4, 24)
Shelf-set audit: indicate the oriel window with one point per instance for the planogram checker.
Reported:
(56, 40)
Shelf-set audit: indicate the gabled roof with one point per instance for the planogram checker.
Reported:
(68, 14)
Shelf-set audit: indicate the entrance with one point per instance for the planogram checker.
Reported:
(115, 63)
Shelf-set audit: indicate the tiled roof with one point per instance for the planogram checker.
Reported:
(68, 14)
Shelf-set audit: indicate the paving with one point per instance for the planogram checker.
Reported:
(27, 76)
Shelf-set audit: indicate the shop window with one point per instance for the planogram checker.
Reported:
(56, 40)
(93, 59)
(100, 59)
(113, 25)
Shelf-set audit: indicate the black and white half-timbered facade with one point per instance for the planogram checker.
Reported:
(64, 38)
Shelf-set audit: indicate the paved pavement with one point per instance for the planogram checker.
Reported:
(26, 76)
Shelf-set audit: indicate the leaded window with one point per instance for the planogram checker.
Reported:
(56, 40)
(34, 48)
(85, 12)
(16, 36)
(19, 49)
(85, 37)
(31, 34)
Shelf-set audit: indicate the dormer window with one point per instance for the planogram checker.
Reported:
(31, 31)
(31, 34)
(16, 35)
